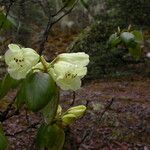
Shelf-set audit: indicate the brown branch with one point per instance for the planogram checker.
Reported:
(106, 109)
(45, 36)
(32, 126)
(61, 9)
(50, 25)
(86, 134)
(73, 98)
(4, 115)
(66, 13)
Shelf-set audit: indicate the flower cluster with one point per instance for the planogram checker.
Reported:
(67, 69)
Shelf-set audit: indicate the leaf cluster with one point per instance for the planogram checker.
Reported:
(130, 39)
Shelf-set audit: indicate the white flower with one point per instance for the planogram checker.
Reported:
(69, 70)
(20, 60)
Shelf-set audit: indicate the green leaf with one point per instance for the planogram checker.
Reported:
(6, 84)
(42, 137)
(84, 4)
(51, 137)
(138, 35)
(20, 100)
(127, 38)
(3, 141)
(114, 40)
(6, 23)
(37, 91)
(68, 3)
(49, 112)
(135, 52)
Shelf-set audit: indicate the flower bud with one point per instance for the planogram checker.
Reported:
(78, 111)
(68, 119)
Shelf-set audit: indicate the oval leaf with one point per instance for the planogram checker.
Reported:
(36, 91)
(51, 137)
(49, 112)
(135, 52)
(42, 137)
(114, 40)
(138, 35)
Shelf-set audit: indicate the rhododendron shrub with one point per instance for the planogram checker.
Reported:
(38, 82)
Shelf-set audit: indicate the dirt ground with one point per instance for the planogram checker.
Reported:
(117, 117)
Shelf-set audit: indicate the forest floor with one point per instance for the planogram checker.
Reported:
(117, 117)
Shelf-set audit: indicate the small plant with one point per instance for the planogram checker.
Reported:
(37, 82)
(130, 39)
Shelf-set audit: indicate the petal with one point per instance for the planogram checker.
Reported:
(15, 74)
(63, 85)
(61, 67)
(74, 84)
(31, 55)
(14, 47)
(80, 59)
(80, 71)
(13, 64)
(10, 55)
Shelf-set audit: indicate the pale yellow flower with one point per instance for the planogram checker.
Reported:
(69, 69)
(20, 60)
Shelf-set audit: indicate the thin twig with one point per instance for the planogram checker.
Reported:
(60, 10)
(50, 25)
(4, 115)
(73, 98)
(66, 13)
(45, 35)
(32, 126)
(85, 135)
(106, 109)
